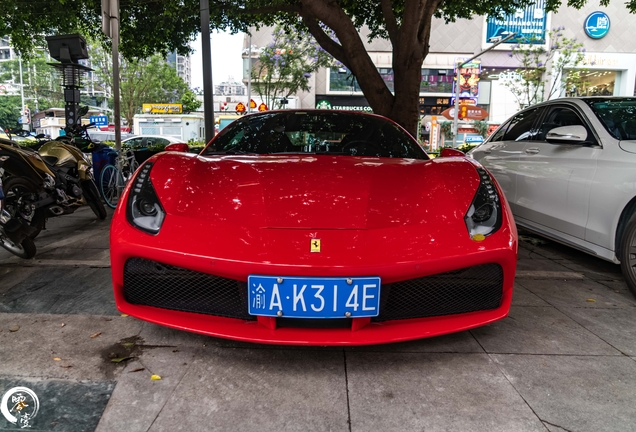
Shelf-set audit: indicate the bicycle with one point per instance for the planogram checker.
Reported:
(114, 178)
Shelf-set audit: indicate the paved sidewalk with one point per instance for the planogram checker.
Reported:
(564, 360)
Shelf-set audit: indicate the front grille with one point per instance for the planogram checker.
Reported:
(164, 286)
(467, 290)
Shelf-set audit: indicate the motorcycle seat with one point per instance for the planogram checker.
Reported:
(50, 160)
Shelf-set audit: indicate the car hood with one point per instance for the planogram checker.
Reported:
(314, 191)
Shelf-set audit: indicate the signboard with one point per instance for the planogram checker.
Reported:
(467, 112)
(240, 107)
(597, 25)
(529, 24)
(342, 103)
(262, 107)
(468, 78)
(252, 104)
(99, 120)
(162, 108)
(471, 139)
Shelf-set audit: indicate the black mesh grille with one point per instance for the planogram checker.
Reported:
(468, 290)
(153, 284)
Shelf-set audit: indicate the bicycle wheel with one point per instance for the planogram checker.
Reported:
(111, 185)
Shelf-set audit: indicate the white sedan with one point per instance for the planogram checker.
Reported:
(568, 170)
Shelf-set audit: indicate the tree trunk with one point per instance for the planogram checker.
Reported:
(410, 46)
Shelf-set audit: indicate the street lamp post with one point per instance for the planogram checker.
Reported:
(459, 65)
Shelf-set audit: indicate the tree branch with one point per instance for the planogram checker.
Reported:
(325, 41)
(391, 23)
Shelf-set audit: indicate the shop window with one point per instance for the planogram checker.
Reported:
(590, 83)
(433, 80)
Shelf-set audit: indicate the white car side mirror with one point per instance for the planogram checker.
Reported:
(567, 135)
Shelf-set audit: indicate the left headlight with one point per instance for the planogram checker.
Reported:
(144, 209)
(484, 214)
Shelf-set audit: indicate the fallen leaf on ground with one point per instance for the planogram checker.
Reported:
(14, 329)
(124, 315)
(137, 370)
(155, 377)
(175, 350)
(128, 344)
(57, 359)
(95, 335)
(591, 300)
(106, 319)
(63, 324)
(67, 367)
(120, 359)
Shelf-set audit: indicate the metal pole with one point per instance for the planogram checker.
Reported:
(114, 22)
(459, 66)
(208, 89)
(249, 75)
(22, 114)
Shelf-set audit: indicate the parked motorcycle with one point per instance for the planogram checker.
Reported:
(52, 181)
(14, 235)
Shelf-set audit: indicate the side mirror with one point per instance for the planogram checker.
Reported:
(184, 148)
(567, 135)
(450, 152)
(81, 112)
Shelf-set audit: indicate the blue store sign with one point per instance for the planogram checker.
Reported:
(597, 25)
(528, 23)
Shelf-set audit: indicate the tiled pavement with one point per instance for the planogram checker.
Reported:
(564, 360)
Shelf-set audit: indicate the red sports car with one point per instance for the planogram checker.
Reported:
(314, 228)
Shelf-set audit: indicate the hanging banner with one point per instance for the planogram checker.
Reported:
(468, 79)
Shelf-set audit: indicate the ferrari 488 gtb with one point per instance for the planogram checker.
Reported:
(317, 228)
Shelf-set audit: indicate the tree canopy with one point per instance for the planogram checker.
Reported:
(165, 25)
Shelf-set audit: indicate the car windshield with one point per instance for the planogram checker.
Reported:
(617, 115)
(333, 133)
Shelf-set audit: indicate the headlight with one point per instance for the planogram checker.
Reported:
(144, 209)
(484, 214)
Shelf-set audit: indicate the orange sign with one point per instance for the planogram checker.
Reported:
(240, 107)
(466, 112)
(252, 103)
(262, 107)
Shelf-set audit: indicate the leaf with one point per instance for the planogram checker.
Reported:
(63, 324)
(120, 359)
(93, 336)
(14, 329)
(106, 319)
(591, 300)
(67, 367)
(128, 344)
(57, 359)
(155, 377)
(124, 315)
(137, 370)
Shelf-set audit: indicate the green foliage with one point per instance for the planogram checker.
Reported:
(482, 127)
(541, 72)
(466, 147)
(144, 81)
(447, 129)
(41, 82)
(286, 64)
(189, 101)
(9, 111)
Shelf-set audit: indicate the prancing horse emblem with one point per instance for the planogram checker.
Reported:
(315, 245)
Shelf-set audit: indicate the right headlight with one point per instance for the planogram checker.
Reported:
(144, 209)
(484, 214)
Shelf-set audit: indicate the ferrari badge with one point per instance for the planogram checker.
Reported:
(315, 245)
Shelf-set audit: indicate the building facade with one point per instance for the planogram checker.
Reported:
(608, 67)
(182, 65)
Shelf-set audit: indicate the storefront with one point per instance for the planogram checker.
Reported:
(602, 74)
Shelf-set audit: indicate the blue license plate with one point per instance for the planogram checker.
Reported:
(298, 297)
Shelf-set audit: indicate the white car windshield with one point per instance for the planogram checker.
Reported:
(618, 115)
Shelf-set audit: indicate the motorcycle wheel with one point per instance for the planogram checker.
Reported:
(14, 188)
(92, 198)
(25, 250)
